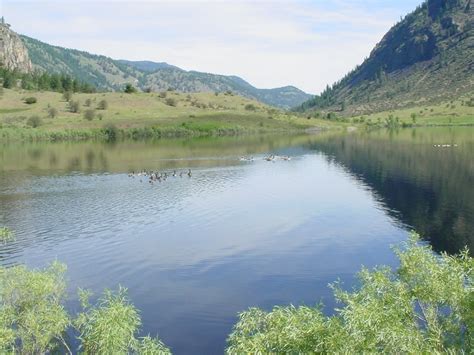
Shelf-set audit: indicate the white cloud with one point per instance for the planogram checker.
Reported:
(269, 43)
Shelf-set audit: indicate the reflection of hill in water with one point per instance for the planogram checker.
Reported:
(44, 158)
(428, 188)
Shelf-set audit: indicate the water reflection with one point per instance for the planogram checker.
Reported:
(64, 157)
(194, 252)
(427, 187)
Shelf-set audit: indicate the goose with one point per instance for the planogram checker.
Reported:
(189, 173)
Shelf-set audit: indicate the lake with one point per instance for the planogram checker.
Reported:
(194, 251)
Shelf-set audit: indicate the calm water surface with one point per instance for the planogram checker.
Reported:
(195, 251)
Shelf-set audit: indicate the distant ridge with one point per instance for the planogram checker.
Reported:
(426, 57)
(147, 66)
(109, 74)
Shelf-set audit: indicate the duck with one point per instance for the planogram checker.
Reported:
(246, 159)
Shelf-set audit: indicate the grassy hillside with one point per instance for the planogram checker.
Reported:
(426, 58)
(109, 74)
(139, 115)
(450, 113)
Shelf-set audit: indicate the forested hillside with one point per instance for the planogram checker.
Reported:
(427, 57)
(108, 74)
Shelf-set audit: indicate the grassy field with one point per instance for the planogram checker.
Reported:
(451, 113)
(140, 114)
(173, 114)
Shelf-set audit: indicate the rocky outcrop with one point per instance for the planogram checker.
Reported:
(13, 53)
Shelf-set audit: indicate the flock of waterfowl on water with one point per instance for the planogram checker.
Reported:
(268, 158)
(157, 176)
(445, 145)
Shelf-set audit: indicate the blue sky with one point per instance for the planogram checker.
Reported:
(308, 44)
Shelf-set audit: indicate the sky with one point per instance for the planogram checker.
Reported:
(308, 44)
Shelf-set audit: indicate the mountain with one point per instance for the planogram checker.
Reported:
(110, 74)
(427, 57)
(13, 54)
(146, 65)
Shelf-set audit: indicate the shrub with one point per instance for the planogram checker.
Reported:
(88, 103)
(89, 114)
(67, 95)
(6, 235)
(111, 132)
(103, 105)
(129, 89)
(74, 106)
(52, 112)
(110, 326)
(34, 121)
(148, 90)
(170, 101)
(250, 107)
(30, 100)
(426, 306)
(163, 94)
(33, 319)
(331, 116)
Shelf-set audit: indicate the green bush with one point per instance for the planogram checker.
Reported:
(33, 319)
(89, 114)
(170, 102)
(6, 235)
(67, 96)
(103, 105)
(250, 107)
(424, 307)
(88, 103)
(74, 106)
(34, 121)
(129, 89)
(111, 325)
(111, 132)
(52, 112)
(31, 100)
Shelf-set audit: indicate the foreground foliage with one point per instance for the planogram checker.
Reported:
(426, 306)
(33, 319)
(6, 235)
